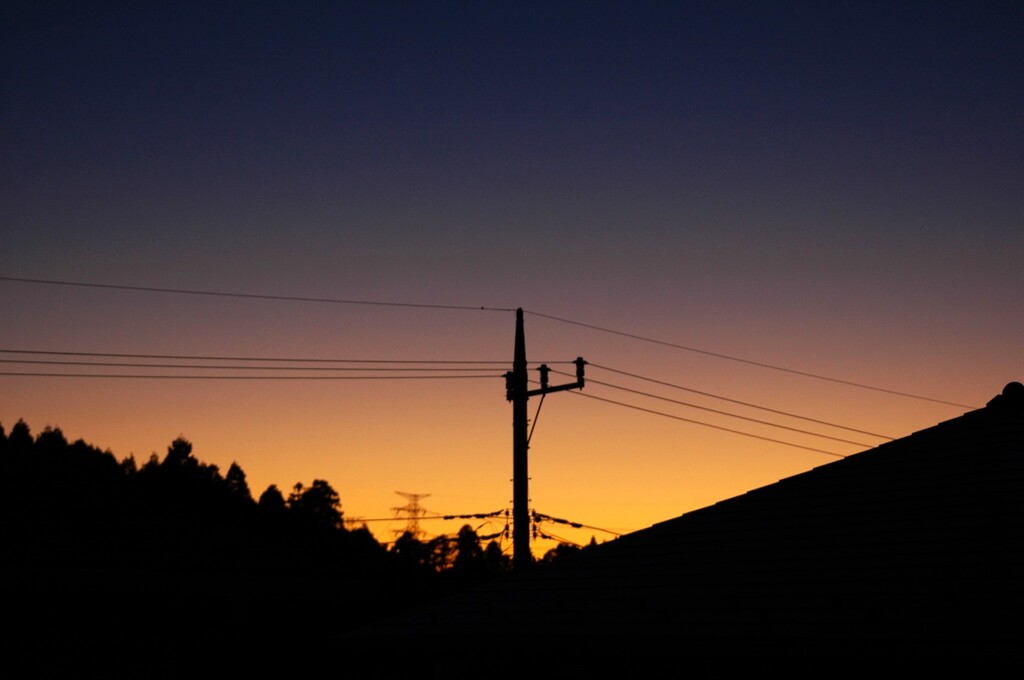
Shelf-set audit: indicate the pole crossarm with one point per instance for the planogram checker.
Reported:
(556, 388)
(510, 385)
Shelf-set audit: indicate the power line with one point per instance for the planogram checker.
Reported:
(735, 415)
(242, 377)
(394, 368)
(477, 515)
(186, 357)
(736, 401)
(110, 364)
(558, 539)
(575, 525)
(716, 427)
(749, 361)
(295, 298)
(723, 413)
(288, 298)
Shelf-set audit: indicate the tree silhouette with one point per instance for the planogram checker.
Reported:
(19, 442)
(439, 553)
(179, 454)
(236, 482)
(87, 538)
(410, 551)
(317, 505)
(469, 556)
(495, 561)
(561, 552)
(272, 501)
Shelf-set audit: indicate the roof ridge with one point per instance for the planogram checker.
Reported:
(1012, 396)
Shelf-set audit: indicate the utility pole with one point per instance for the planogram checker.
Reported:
(516, 391)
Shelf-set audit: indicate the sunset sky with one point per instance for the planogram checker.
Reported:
(812, 208)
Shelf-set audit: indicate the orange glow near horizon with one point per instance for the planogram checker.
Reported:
(611, 468)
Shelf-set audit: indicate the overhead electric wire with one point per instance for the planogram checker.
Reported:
(750, 362)
(243, 377)
(698, 422)
(109, 364)
(438, 369)
(473, 515)
(287, 298)
(559, 539)
(295, 298)
(723, 413)
(575, 525)
(194, 357)
(736, 401)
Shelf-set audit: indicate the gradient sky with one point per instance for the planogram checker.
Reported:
(830, 188)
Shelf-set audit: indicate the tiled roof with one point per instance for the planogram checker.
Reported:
(915, 544)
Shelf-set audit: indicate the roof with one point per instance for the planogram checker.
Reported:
(917, 544)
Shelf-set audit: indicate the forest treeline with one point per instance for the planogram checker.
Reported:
(176, 552)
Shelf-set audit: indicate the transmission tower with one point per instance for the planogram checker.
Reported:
(411, 512)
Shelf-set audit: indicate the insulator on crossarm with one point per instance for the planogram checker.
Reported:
(580, 363)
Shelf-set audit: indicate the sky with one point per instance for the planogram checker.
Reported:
(754, 221)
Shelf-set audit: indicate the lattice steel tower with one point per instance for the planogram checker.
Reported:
(411, 513)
